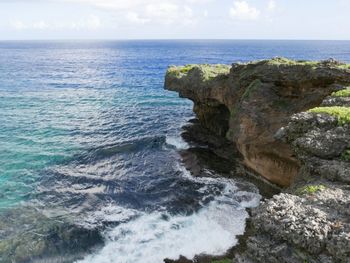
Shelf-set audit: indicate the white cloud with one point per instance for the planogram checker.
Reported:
(241, 10)
(158, 12)
(17, 24)
(91, 22)
(134, 17)
(271, 6)
(40, 25)
(147, 11)
(168, 13)
(163, 13)
(108, 4)
(133, 4)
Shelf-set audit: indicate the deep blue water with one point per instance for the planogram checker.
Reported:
(87, 128)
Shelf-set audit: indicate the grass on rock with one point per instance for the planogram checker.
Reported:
(342, 113)
(208, 71)
(342, 93)
(226, 260)
(310, 189)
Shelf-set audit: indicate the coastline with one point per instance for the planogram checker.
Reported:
(308, 221)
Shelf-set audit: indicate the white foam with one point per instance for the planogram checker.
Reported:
(177, 142)
(108, 213)
(152, 237)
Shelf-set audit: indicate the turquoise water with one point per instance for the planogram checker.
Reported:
(87, 128)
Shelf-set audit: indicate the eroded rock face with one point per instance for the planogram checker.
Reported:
(310, 221)
(249, 103)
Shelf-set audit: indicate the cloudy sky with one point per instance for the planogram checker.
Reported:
(174, 19)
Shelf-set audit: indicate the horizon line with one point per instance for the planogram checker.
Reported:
(171, 39)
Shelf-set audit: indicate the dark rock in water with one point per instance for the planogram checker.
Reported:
(180, 260)
(211, 155)
(27, 235)
(248, 103)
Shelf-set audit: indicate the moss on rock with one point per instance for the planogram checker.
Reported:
(342, 93)
(208, 71)
(253, 86)
(286, 61)
(342, 113)
(226, 260)
(314, 64)
(346, 155)
(310, 189)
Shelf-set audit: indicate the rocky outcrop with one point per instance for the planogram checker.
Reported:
(310, 221)
(249, 103)
(291, 116)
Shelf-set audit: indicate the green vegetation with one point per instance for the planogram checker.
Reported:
(226, 260)
(310, 189)
(212, 71)
(286, 61)
(342, 113)
(313, 64)
(186, 69)
(342, 93)
(179, 71)
(253, 86)
(344, 66)
(208, 71)
(346, 155)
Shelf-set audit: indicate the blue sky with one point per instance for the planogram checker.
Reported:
(174, 19)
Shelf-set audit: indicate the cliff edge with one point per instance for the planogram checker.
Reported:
(290, 120)
(248, 103)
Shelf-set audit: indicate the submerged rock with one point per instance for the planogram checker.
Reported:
(28, 235)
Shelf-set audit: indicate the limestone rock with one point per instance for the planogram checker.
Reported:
(249, 103)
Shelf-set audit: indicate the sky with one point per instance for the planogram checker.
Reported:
(174, 19)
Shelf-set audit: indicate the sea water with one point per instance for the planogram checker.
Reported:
(87, 128)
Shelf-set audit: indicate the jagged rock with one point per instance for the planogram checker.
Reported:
(249, 103)
(336, 101)
(310, 220)
(320, 143)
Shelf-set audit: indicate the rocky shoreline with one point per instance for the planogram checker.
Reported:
(289, 123)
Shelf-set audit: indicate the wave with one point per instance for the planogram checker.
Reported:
(152, 237)
(177, 142)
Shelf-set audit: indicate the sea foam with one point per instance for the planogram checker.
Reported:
(152, 237)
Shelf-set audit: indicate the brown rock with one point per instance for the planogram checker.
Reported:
(249, 103)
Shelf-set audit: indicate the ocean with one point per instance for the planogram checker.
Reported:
(88, 135)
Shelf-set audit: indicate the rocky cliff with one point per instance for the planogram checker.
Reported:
(248, 103)
(310, 220)
(290, 120)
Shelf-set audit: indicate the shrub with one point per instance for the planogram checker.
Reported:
(310, 189)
